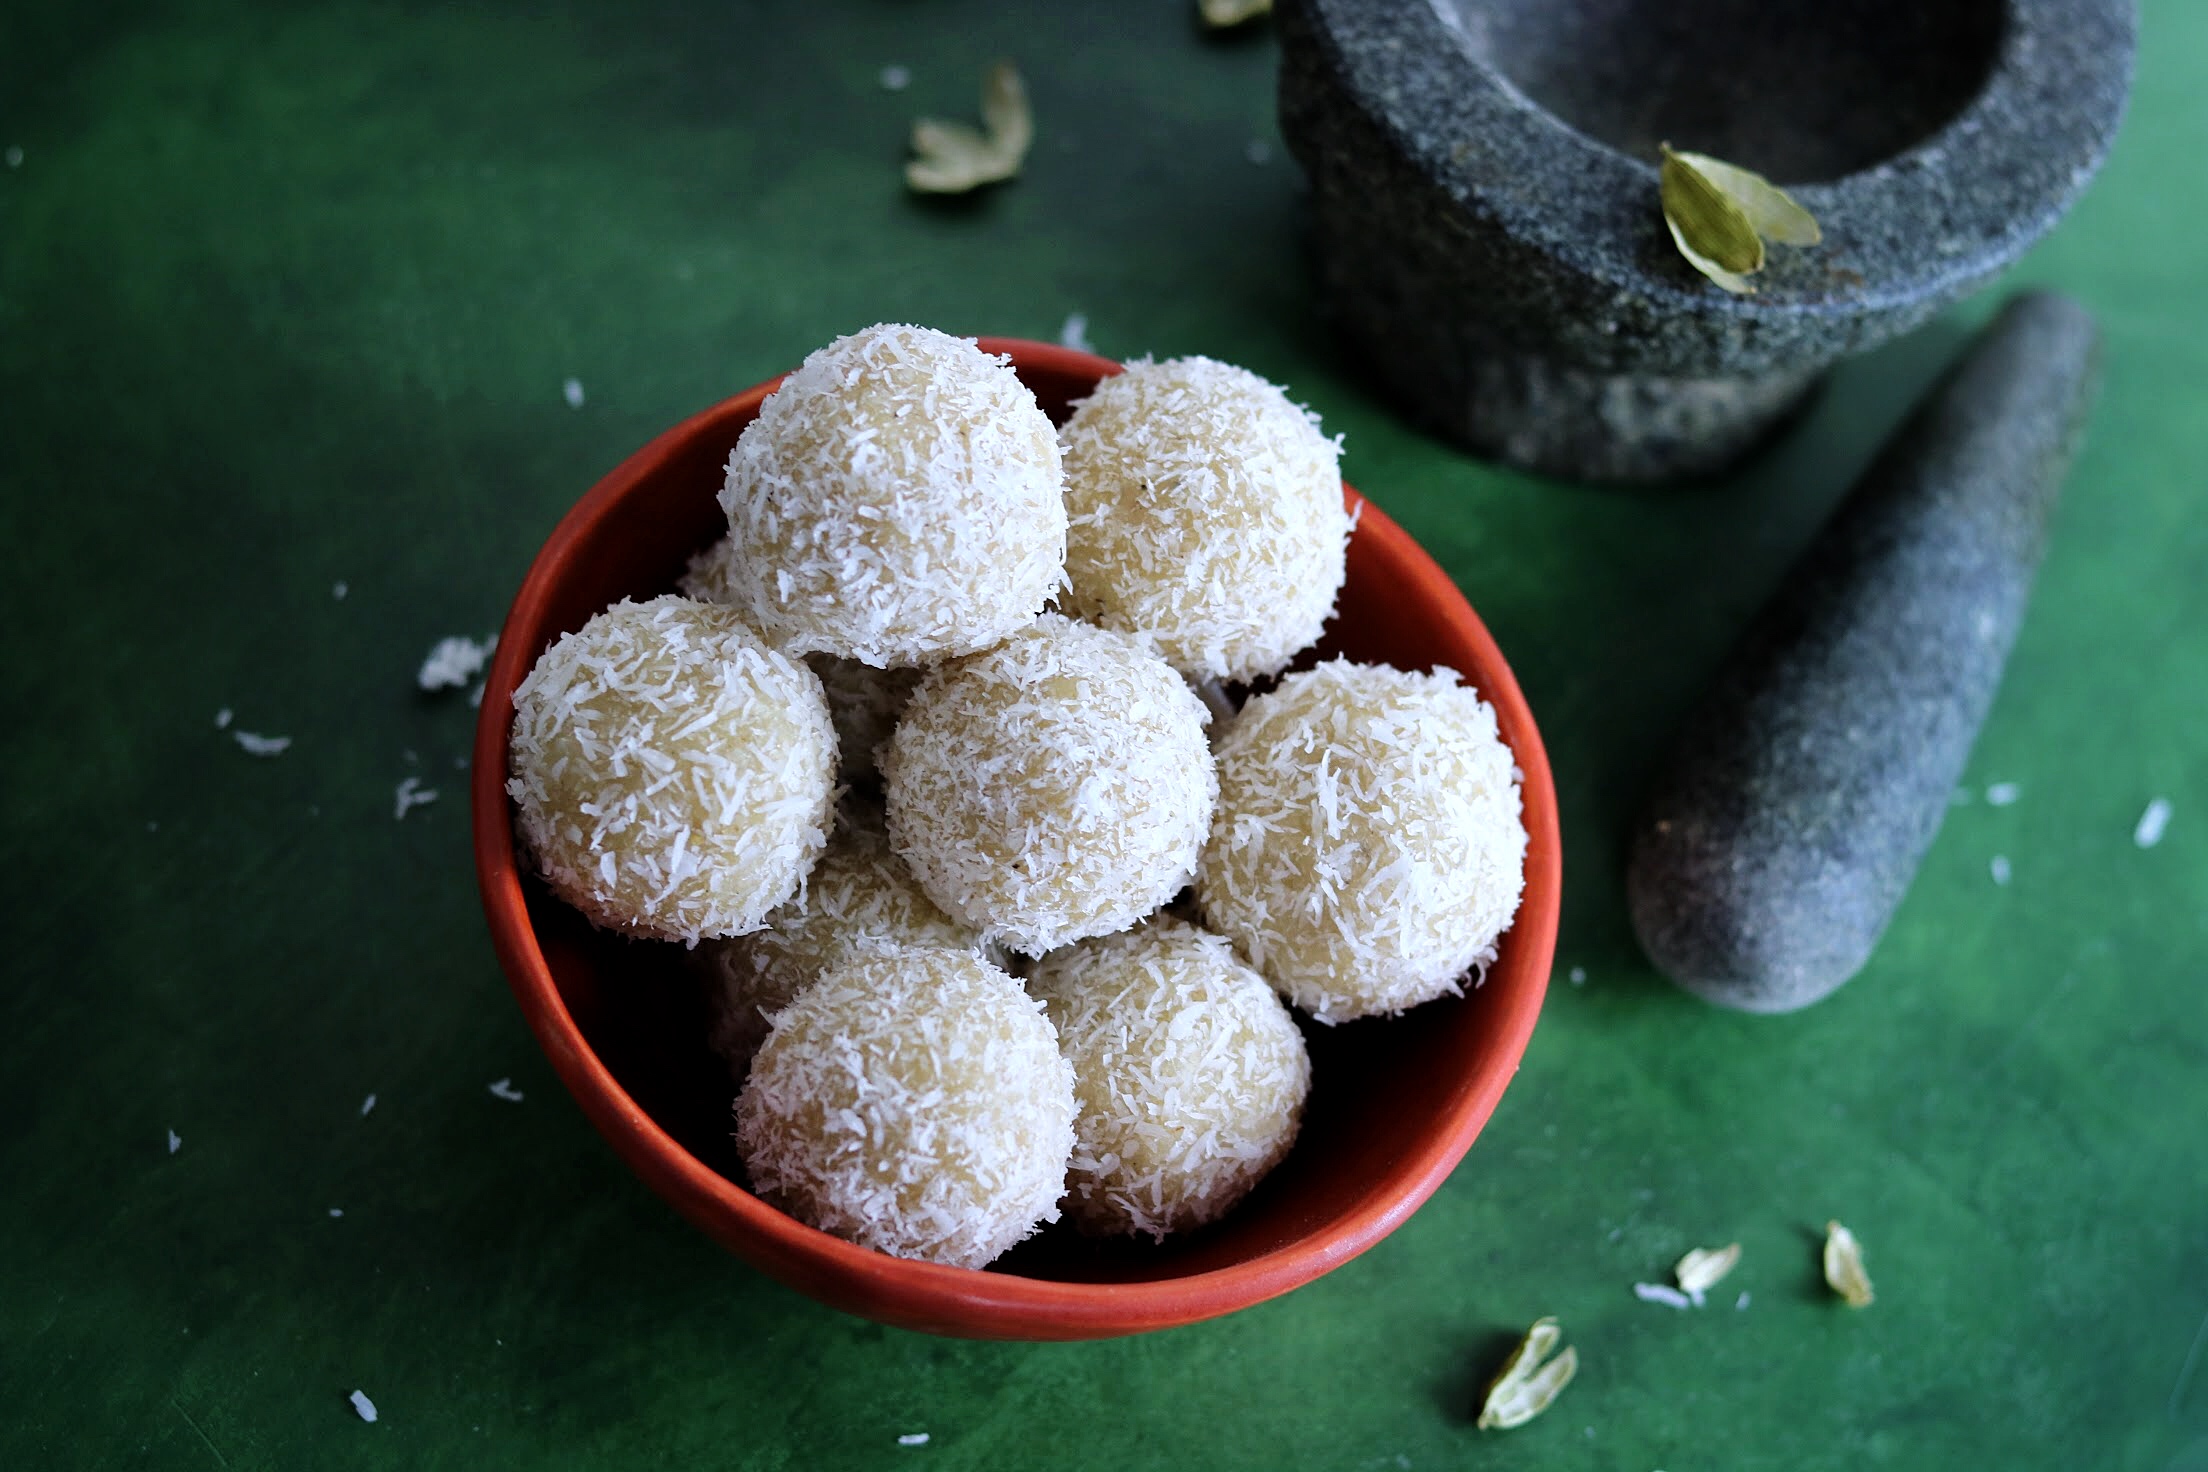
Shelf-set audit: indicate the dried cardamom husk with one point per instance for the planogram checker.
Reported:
(1720, 215)
(1704, 1268)
(1219, 14)
(1844, 1266)
(1526, 1386)
(954, 157)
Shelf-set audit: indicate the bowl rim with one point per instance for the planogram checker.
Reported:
(967, 1302)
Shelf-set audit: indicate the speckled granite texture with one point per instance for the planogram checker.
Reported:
(1812, 778)
(1485, 220)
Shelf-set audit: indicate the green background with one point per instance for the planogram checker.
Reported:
(288, 296)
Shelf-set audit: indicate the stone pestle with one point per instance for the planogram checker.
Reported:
(1811, 779)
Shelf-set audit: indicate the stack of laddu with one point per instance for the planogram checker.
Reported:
(1006, 625)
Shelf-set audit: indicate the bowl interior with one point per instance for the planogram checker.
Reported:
(1800, 92)
(1394, 1102)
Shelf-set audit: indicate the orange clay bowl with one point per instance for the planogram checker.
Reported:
(1395, 1102)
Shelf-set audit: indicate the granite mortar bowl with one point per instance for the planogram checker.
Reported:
(1395, 1102)
(1485, 218)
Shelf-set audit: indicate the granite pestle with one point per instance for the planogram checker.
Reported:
(1810, 780)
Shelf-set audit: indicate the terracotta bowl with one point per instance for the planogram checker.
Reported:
(1395, 1103)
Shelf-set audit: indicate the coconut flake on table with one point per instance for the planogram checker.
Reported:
(1258, 151)
(223, 718)
(504, 1089)
(411, 794)
(1075, 334)
(366, 1105)
(365, 1406)
(2152, 823)
(572, 391)
(913, 1438)
(453, 662)
(1662, 1293)
(2001, 794)
(1998, 867)
(176, 1142)
(338, 590)
(895, 78)
(255, 744)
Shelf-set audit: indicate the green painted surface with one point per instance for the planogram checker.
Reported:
(287, 298)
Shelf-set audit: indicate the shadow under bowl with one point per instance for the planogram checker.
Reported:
(1395, 1103)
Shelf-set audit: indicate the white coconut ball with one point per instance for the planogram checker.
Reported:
(860, 896)
(1190, 1073)
(900, 499)
(1368, 848)
(673, 777)
(1056, 787)
(914, 1102)
(864, 702)
(1205, 511)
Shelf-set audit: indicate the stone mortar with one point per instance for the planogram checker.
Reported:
(1486, 223)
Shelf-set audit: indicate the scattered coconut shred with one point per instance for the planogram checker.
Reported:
(453, 662)
(411, 794)
(2152, 824)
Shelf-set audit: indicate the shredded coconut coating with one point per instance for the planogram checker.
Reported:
(1368, 848)
(1190, 1074)
(859, 896)
(913, 1102)
(864, 702)
(1205, 511)
(1056, 787)
(900, 499)
(672, 776)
